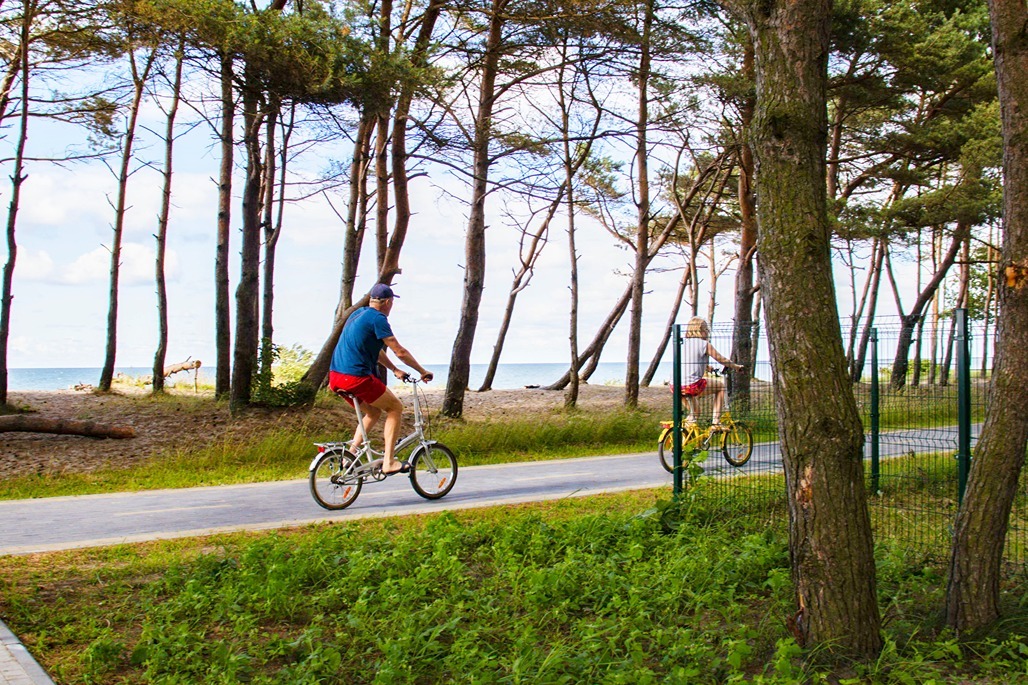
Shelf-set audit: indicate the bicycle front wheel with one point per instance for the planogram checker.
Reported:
(327, 484)
(666, 446)
(737, 444)
(433, 470)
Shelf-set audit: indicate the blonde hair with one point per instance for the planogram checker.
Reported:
(697, 328)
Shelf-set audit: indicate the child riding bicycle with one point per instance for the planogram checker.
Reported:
(696, 353)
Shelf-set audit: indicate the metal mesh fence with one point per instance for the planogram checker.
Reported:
(908, 390)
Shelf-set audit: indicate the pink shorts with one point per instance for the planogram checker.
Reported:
(694, 389)
(365, 388)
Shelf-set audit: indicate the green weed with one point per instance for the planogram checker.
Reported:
(584, 590)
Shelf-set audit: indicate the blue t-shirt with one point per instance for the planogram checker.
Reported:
(356, 353)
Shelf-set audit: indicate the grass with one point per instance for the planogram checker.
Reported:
(286, 453)
(614, 589)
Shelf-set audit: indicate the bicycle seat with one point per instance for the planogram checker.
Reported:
(344, 394)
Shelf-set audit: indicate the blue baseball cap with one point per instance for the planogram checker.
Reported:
(381, 291)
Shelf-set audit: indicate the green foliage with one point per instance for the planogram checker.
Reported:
(579, 591)
(545, 437)
(276, 378)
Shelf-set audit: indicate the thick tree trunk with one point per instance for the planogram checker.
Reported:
(972, 599)
(244, 354)
(821, 435)
(162, 226)
(222, 313)
(138, 81)
(474, 269)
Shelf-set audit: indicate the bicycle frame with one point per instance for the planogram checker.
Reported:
(366, 456)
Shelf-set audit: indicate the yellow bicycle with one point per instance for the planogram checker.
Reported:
(733, 439)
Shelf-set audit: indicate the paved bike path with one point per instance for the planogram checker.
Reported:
(55, 523)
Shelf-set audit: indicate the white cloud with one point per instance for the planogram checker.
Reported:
(137, 266)
(33, 265)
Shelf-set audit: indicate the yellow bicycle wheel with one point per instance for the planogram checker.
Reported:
(691, 438)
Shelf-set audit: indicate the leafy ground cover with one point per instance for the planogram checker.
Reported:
(616, 589)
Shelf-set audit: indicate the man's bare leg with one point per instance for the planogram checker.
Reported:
(371, 415)
(393, 408)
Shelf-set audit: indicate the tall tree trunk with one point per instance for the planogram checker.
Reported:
(356, 212)
(830, 541)
(745, 292)
(965, 272)
(138, 81)
(859, 358)
(571, 393)
(900, 364)
(244, 354)
(642, 229)
(162, 225)
(474, 269)
(17, 178)
(972, 597)
(222, 313)
(318, 371)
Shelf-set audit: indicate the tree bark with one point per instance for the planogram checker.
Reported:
(138, 81)
(17, 178)
(244, 354)
(474, 269)
(830, 541)
(222, 313)
(745, 293)
(642, 229)
(162, 225)
(972, 597)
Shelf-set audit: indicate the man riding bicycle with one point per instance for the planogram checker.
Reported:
(361, 348)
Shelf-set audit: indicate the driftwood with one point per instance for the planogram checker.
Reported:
(187, 365)
(38, 424)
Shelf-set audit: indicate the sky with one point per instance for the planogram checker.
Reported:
(64, 229)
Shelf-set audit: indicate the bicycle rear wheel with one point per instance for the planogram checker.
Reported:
(737, 444)
(666, 446)
(433, 470)
(327, 484)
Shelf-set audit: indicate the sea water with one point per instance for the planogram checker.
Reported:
(508, 376)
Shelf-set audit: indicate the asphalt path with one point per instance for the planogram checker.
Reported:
(56, 523)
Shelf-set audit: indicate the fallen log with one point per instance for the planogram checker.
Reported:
(187, 365)
(38, 424)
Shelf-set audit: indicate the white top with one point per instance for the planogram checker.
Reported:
(694, 360)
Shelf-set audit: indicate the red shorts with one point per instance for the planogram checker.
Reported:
(365, 388)
(694, 389)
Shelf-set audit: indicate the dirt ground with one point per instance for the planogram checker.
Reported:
(167, 425)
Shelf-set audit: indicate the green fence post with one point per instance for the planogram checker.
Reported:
(963, 402)
(875, 416)
(676, 408)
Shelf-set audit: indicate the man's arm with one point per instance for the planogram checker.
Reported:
(406, 357)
